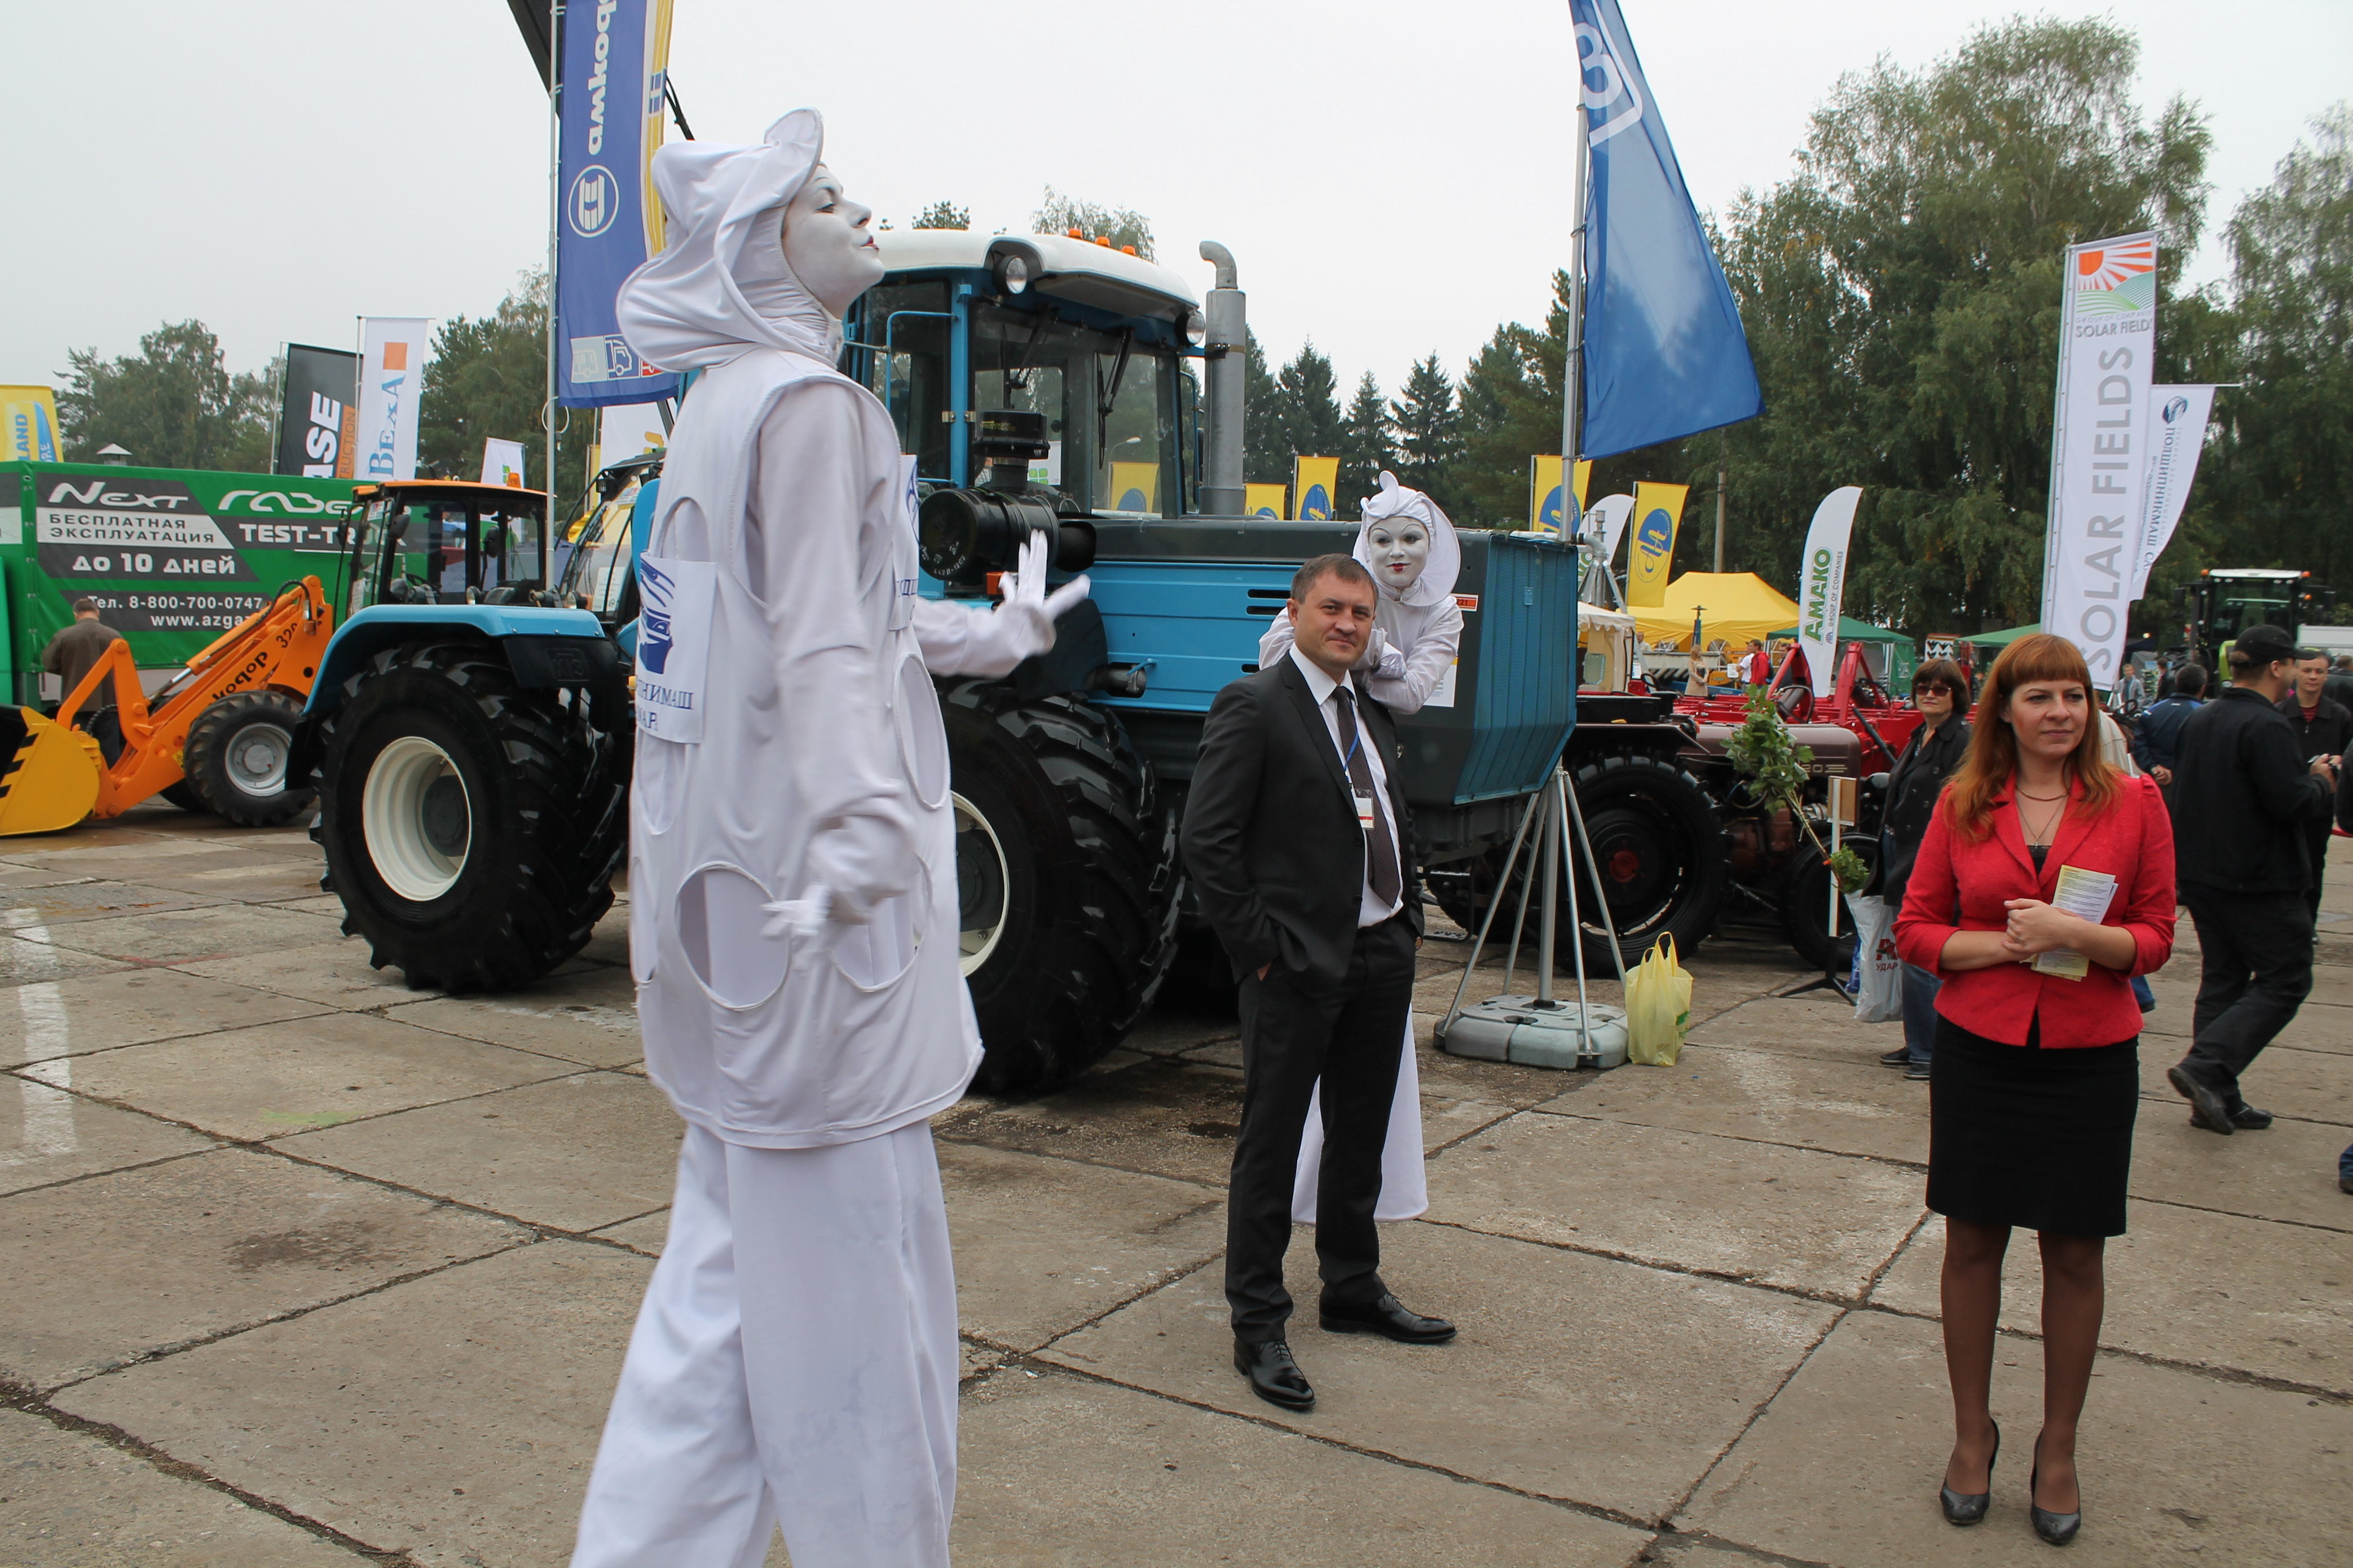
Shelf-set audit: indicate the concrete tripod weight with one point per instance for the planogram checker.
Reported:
(1539, 1030)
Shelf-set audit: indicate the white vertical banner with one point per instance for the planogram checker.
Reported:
(1821, 585)
(501, 462)
(1605, 520)
(2178, 416)
(392, 361)
(625, 430)
(2099, 445)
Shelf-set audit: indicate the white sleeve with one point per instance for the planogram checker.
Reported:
(1276, 640)
(824, 579)
(1426, 662)
(959, 639)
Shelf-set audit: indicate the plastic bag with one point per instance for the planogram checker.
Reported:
(1878, 973)
(1658, 1006)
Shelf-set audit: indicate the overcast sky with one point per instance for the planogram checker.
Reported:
(1389, 173)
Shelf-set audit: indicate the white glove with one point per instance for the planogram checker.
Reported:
(798, 918)
(1392, 661)
(1381, 656)
(1023, 625)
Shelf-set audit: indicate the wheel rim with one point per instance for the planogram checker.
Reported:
(417, 818)
(982, 877)
(1643, 878)
(257, 757)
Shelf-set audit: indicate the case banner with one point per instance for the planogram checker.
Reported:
(318, 425)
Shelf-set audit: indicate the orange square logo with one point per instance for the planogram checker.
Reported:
(396, 356)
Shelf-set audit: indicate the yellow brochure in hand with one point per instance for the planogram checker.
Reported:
(2084, 893)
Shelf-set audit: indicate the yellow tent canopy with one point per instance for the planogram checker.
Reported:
(1733, 607)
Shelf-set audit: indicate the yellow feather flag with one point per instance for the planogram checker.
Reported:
(1658, 508)
(1543, 492)
(1266, 500)
(1135, 488)
(1313, 480)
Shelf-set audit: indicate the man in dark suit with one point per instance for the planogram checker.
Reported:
(1296, 836)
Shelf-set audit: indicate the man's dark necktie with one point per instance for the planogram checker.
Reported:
(1387, 883)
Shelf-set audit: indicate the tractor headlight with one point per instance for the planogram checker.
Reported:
(1197, 329)
(1013, 274)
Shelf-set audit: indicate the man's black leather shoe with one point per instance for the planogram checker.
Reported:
(2246, 1119)
(1387, 1318)
(1273, 1376)
(1900, 1056)
(2207, 1109)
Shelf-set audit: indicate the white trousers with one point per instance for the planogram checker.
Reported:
(1405, 1179)
(794, 1363)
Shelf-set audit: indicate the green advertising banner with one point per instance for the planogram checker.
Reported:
(173, 557)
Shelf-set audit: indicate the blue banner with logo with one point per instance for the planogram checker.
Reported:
(1665, 353)
(613, 56)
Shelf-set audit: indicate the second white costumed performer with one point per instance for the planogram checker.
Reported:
(793, 909)
(1409, 547)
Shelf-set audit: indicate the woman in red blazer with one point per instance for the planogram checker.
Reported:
(2035, 1076)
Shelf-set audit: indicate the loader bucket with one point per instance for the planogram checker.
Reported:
(48, 774)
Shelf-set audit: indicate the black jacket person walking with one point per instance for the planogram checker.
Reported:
(2243, 796)
(1295, 834)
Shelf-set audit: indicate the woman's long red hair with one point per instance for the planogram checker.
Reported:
(1992, 760)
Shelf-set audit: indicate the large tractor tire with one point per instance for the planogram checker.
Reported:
(1068, 878)
(1661, 849)
(183, 795)
(236, 760)
(1806, 909)
(472, 826)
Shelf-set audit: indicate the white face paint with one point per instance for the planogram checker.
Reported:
(1400, 550)
(826, 243)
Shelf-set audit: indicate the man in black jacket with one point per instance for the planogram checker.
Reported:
(2244, 796)
(2323, 728)
(2156, 738)
(1295, 833)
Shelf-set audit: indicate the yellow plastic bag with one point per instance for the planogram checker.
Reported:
(1658, 1006)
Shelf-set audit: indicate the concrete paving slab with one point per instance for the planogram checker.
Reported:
(335, 973)
(2177, 1467)
(1576, 1377)
(258, 878)
(1797, 1218)
(316, 904)
(1815, 1025)
(452, 1418)
(1775, 1097)
(68, 1500)
(109, 1271)
(95, 848)
(133, 1006)
(589, 1017)
(1063, 1473)
(188, 936)
(644, 1233)
(93, 900)
(282, 1079)
(13, 875)
(1167, 1030)
(2286, 1173)
(2316, 1027)
(2287, 1081)
(47, 1135)
(1166, 1118)
(1045, 1245)
(2244, 1295)
(572, 1154)
(24, 962)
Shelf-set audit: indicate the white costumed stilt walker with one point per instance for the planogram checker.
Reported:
(1408, 546)
(793, 910)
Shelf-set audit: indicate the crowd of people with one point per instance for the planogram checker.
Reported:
(2039, 852)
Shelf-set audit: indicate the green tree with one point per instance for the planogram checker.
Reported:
(1902, 292)
(487, 377)
(1364, 447)
(1266, 457)
(2282, 482)
(941, 214)
(1060, 213)
(1307, 411)
(175, 405)
(1429, 433)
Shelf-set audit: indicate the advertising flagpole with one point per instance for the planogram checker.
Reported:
(1572, 381)
(555, 215)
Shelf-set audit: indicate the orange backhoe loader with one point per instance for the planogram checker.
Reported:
(218, 737)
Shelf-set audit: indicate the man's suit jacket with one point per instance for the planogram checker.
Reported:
(1271, 837)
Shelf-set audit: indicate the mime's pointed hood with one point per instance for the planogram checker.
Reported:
(1445, 563)
(721, 284)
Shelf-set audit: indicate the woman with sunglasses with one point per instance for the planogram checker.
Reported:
(1940, 692)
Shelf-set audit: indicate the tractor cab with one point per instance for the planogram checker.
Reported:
(447, 542)
(599, 552)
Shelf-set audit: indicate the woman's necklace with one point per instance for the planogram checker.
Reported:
(2041, 836)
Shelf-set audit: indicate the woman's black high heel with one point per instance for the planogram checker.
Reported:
(2058, 1529)
(1968, 1508)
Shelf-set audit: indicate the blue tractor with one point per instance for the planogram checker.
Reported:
(472, 757)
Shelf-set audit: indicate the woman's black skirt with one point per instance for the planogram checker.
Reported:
(2038, 1138)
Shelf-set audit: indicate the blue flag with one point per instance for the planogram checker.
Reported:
(610, 75)
(1664, 354)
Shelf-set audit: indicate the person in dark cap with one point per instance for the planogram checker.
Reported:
(2244, 798)
(2324, 727)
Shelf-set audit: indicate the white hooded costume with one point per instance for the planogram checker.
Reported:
(1419, 631)
(795, 1358)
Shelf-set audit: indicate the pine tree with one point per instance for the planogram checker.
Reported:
(1365, 445)
(1304, 392)
(1266, 451)
(1429, 433)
